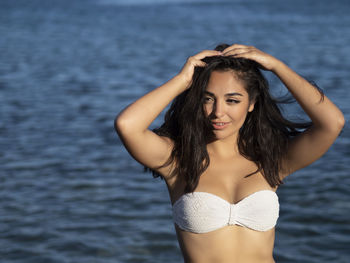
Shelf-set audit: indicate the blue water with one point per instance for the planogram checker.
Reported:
(69, 192)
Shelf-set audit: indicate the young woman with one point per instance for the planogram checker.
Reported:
(225, 147)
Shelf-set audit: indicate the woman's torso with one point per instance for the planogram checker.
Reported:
(224, 178)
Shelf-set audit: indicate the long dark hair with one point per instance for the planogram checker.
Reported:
(263, 138)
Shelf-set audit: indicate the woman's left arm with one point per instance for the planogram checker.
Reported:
(327, 119)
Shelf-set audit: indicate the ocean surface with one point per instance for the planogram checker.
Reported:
(69, 191)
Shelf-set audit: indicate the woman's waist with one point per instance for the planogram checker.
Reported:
(232, 260)
(233, 255)
(229, 244)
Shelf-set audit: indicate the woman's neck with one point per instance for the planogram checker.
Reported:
(223, 148)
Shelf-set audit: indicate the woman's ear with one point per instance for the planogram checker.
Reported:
(251, 106)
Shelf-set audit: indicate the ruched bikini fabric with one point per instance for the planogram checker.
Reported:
(202, 212)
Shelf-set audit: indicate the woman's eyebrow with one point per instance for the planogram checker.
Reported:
(233, 94)
(226, 95)
(209, 93)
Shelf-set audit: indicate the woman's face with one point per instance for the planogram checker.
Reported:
(226, 104)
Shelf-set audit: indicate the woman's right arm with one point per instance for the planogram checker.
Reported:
(132, 123)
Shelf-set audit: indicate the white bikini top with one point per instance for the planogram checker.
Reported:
(202, 212)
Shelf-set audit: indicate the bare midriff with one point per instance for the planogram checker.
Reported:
(229, 244)
(232, 243)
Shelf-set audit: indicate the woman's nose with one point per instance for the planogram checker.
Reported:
(219, 109)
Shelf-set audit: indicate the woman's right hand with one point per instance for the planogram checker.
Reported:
(187, 70)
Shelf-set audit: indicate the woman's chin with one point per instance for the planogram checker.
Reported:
(220, 135)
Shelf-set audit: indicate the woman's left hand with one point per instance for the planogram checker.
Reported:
(266, 61)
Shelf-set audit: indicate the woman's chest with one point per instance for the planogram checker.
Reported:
(231, 180)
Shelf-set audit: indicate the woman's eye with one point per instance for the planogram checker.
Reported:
(233, 101)
(208, 99)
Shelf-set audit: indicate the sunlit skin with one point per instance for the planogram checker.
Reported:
(227, 104)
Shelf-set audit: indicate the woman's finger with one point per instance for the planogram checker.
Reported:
(196, 62)
(243, 54)
(207, 53)
(236, 51)
(266, 61)
(235, 46)
(200, 63)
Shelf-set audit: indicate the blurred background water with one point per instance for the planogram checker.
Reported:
(69, 192)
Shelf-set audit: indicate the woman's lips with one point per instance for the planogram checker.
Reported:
(220, 125)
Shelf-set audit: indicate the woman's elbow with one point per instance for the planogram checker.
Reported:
(338, 123)
(120, 123)
(333, 125)
(341, 122)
